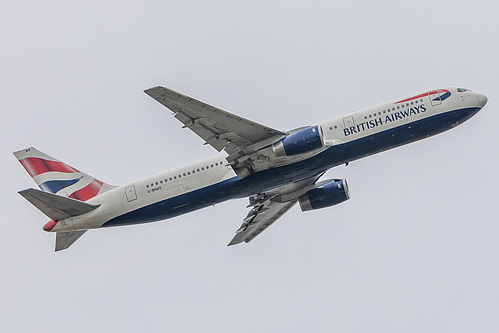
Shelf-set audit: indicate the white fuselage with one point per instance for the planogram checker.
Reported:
(203, 183)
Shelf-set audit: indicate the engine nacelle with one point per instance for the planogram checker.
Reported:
(300, 142)
(325, 195)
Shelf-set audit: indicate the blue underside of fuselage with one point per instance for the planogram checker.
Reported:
(272, 178)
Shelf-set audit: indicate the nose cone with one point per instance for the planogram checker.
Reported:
(482, 100)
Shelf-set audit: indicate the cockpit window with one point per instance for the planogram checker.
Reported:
(462, 89)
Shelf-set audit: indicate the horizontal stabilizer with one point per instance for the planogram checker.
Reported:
(55, 206)
(63, 240)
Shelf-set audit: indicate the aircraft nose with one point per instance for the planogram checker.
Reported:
(482, 100)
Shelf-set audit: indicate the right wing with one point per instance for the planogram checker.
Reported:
(238, 136)
(269, 207)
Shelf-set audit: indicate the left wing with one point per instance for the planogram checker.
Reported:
(269, 207)
(220, 129)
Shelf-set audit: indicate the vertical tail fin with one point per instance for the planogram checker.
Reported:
(54, 176)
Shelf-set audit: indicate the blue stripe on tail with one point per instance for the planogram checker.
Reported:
(54, 186)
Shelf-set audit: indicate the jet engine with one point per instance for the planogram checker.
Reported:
(324, 195)
(302, 141)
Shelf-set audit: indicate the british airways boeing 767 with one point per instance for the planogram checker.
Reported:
(275, 169)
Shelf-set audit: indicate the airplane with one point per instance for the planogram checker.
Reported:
(274, 169)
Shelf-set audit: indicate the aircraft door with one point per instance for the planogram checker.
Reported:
(130, 193)
(348, 122)
(435, 98)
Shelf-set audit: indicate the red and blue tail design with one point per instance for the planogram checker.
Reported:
(59, 178)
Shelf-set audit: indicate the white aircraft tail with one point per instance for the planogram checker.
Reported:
(54, 176)
(64, 191)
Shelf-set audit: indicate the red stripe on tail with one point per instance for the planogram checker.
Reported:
(36, 166)
(88, 192)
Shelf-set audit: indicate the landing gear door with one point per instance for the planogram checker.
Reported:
(435, 97)
(131, 195)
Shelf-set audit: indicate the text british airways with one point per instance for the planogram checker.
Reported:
(399, 115)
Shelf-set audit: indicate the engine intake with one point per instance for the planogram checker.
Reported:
(326, 195)
(300, 142)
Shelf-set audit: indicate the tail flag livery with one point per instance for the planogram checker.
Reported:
(56, 177)
(63, 191)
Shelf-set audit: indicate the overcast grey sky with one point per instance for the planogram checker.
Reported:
(415, 249)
